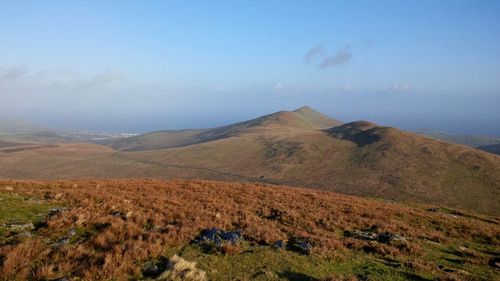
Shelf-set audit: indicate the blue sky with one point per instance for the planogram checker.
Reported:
(143, 65)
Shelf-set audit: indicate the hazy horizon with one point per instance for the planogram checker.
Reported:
(141, 66)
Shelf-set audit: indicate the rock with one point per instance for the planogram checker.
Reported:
(364, 235)
(434, 209)
(232, 237)
(25, 234)
(119, 214)
(299, 245)
(387, 237)
(55, 212)
(280, 244)
(217, 236)
(154, 268)
(19, 226)
(65, 239)
(392, 239)
(384, 237)
(151, 269)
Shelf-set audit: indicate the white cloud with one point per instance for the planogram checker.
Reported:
(346, 88)
(278, 87)
(18, 80)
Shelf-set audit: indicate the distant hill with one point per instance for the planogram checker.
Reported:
(494, 148)
(25, 132)
(485, 143)
(15, 126)
(300, 148)
(304, 118)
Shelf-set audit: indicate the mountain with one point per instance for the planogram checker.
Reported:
(288, 147)
(494, 148)
(134, 229)
(304, 118)
(357, 158)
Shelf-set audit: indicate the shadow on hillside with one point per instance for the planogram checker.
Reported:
(295, 276)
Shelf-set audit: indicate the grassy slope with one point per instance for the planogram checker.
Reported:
(399, 166)
(154, 140)
(163, 216)
(302, 118)
(288, 148)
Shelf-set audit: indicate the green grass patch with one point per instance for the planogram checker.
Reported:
(470, 260)
(255, 262)
(15, 208)
(19, 210)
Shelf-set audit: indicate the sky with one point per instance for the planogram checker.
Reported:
(137, 66)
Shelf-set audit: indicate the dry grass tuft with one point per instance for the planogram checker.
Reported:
(181, 269)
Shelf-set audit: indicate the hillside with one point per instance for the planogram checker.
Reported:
(304, 118)
(146, 229)
(293, 148)
(358, 158)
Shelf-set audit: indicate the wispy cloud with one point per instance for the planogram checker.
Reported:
(12, 73)
(322, 59)
(316, 52)
(342, 56)
(278, 87)
(102, 79)
(20, 79)
(400, 87)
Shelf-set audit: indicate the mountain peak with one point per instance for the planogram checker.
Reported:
(321, 120)
(305, 109)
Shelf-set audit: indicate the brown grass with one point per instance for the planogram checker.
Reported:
(157, 215)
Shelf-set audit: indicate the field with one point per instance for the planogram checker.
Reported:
(114, 229)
